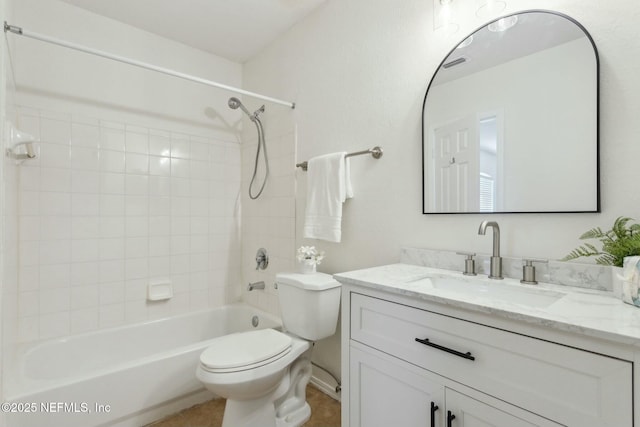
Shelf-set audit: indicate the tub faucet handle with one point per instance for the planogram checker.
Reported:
(262, 259)
(529, 270)
(469, 263)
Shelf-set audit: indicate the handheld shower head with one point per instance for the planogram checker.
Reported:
(234, 103)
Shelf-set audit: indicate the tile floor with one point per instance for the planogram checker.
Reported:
(325, 412)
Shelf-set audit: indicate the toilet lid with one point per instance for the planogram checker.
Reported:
(243, 349)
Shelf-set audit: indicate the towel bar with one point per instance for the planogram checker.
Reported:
(376, 153)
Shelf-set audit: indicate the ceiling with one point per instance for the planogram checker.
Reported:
(233, 29)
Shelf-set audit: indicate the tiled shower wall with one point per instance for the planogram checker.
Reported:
(269, 221)
(108, 208)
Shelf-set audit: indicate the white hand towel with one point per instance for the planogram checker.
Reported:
(328, 186)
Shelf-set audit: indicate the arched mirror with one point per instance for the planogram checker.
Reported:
(510, 120)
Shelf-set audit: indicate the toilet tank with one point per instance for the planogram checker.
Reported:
(309, 304)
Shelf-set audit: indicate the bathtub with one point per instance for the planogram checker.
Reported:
(124, 376)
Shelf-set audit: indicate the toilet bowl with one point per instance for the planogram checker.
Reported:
(263, 374)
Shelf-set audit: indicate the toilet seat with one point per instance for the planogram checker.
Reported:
(244, 351)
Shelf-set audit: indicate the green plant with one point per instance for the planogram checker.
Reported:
(619, 242)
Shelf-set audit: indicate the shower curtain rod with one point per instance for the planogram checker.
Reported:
(22, 32)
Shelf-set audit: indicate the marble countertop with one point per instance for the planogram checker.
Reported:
(583, 311)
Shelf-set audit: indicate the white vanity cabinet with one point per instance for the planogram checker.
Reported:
(409, 363)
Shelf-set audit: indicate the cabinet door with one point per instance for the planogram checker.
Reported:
(386, 392)
(464, 411)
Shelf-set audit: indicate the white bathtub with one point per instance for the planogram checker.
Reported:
(122, 376)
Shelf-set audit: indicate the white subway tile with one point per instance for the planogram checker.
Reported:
(29, 203)
(112, 139)
(29, 179)
(112, 249)
(54, 325)
(54, 300)
(112, 183)
(112, 226)
(84, 181)
(85, 227)
(160, 165)
(136, 142)
(137, 205)
(111, 315)
(112, 161)
(85, 296)
(180, 282)
(136, 290)
(180, 168)
(112, 271)
(199, 188)
(199, 226)
(137, 163)
(83, 158)
(112, 205)
(55, 203)
(136, 311)
(53, 179)
(55, 276)
(199, 150)
(159, 246)
(137, 247)
(136, 268)
(54, 155)
(180, 146)
(55, 131)
(111, 293)
(137, 226)
(160, 266)
(29, 278)
(137, 185)
(160, 186)
(180, 206)
(28, 304)
(84, 320)
(198, 299)
(85, 204)
(85, 250)
(29, 228)
(180, 187)
(180, 225)
(179, 262)
(159, 145)
(55, 251)
(159, 206)
(84, 273)
(199, 170)
(28, 328)
(85, 135)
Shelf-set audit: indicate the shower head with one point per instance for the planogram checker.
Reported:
(234, 103)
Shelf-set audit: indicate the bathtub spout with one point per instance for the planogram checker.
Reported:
(256, 285)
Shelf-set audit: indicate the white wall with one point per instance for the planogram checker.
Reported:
(138, 177)
(358, 71)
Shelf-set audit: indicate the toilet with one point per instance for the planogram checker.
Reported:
(264, 373)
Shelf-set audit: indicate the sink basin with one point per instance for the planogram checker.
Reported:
(493, 290)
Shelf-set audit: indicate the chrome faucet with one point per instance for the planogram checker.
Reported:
(256, 285)
(496, 260)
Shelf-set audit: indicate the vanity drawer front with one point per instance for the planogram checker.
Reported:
(564, 384)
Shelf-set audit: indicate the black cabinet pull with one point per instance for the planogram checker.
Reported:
(466, 355)
(434, 408)
(450, 417)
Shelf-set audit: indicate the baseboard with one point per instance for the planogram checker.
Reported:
(326, 388)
